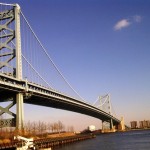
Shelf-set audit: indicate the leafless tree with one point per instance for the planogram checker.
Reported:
(49, 127)
(60, 126)
(28, 127)
(34, 128)
(70, 129)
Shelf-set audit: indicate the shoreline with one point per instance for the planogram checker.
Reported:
(59, 139)
(49, 142)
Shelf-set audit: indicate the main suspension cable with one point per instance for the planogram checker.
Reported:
(45, 51)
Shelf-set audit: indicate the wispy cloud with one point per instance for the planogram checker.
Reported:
(127, 22)
(137, 18)
(122, 24)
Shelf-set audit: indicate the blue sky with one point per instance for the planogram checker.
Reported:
(101, 46)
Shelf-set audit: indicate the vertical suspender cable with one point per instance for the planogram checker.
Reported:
(31, 65)
(45, 51)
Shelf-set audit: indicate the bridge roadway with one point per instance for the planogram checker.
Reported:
(38, 95)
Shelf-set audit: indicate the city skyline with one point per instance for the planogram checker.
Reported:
(101, 47)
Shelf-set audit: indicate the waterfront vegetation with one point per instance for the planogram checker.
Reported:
(37, 130)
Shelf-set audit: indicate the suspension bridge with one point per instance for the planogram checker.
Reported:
(28, 75)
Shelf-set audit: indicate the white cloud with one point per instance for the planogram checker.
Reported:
(137, 18)
(122, 24)
(125, 22)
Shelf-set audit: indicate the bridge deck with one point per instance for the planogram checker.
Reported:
(38, 95)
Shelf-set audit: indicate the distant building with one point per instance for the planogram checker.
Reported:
(133, 124)
(91, 128)
(144, 124)
(148, 123)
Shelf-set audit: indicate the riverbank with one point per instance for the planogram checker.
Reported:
(51, 141)
(58, 141)
(139, 129)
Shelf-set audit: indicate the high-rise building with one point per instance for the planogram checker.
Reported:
(144, 124)
(133, 124)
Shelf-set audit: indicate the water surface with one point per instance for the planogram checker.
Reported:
(132, 140)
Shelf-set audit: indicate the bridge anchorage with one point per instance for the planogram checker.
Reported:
(14, 88)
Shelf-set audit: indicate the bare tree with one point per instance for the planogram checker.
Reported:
(34, 128)
(60, 126)
(52, 127)
(56, 127)
(49, 127)
(70, 129)
(28, 127)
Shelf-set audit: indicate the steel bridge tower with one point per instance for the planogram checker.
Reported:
(11, 62)
(104, 103)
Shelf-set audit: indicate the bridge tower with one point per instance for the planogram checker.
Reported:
(11, 61)
(104, 103)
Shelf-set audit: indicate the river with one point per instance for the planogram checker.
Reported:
(131, 140)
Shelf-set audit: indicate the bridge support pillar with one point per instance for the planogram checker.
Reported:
(102, 125)
(9, 32)
(107, 126)
(111, 124)
(121, 126)
(19, 112)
